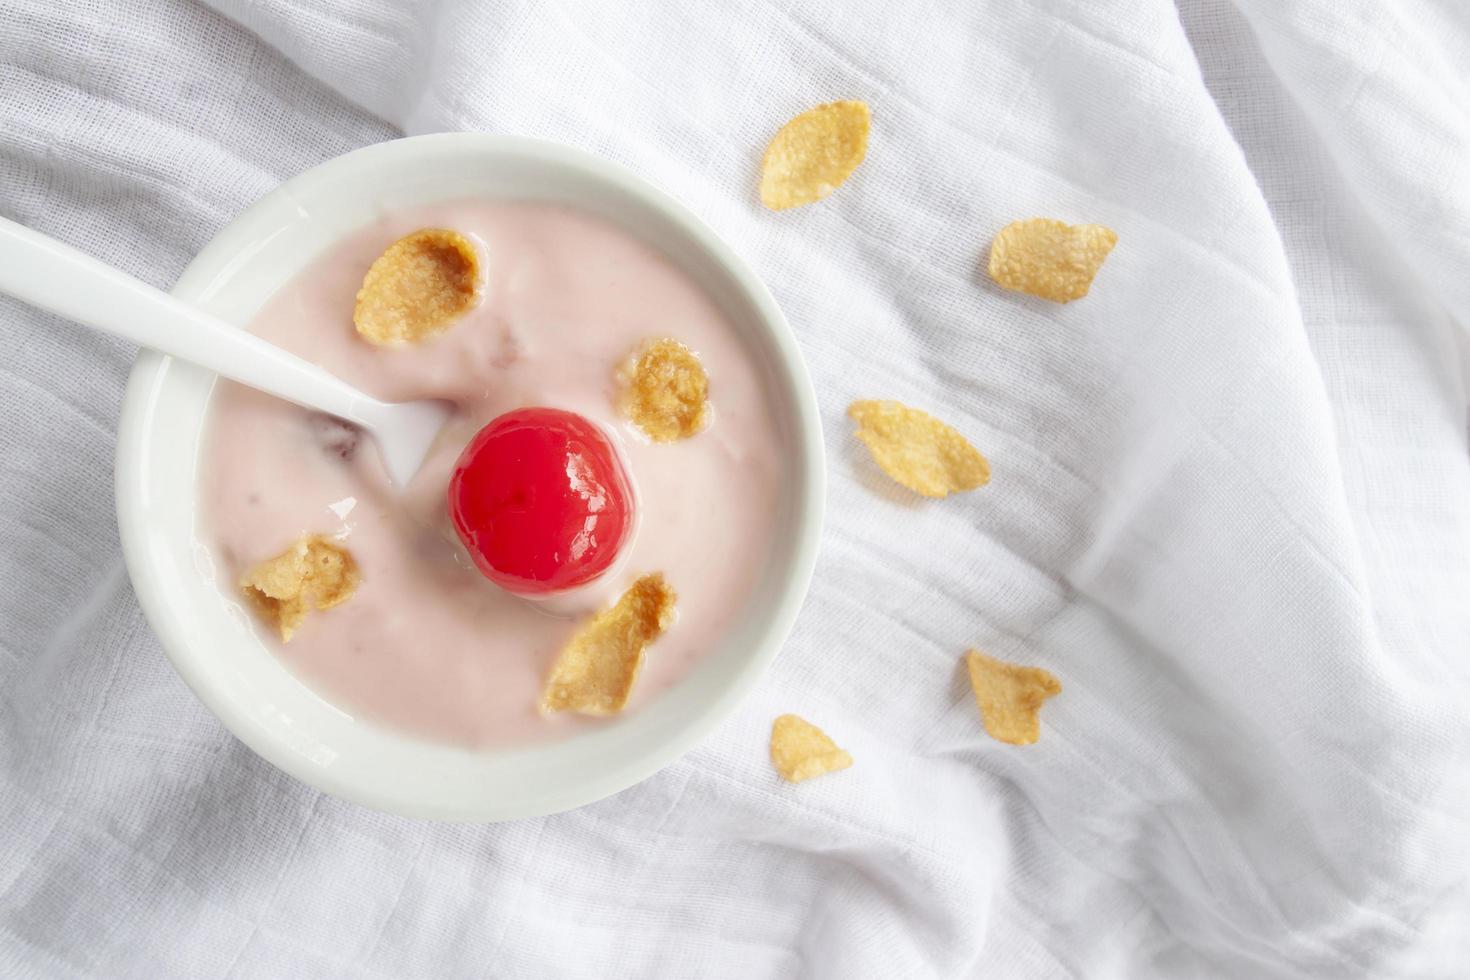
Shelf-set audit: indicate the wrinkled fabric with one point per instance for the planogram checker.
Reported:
(1230, 503)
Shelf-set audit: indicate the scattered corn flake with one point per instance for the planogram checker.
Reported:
(801, 750)
(315, 573)
(665, 391)
(1010, 697)
(1049, 258)
(918, 450)
(814, 153)
(418, 287)
(596, 670)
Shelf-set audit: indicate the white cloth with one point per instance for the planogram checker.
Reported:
(1230, 506)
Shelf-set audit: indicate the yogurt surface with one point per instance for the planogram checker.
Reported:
(426, 644)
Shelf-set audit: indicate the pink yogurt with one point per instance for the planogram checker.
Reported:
(427, 645)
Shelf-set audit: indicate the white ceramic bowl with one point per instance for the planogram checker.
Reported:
(206, 635)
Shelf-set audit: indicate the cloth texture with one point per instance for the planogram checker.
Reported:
(1230, 507)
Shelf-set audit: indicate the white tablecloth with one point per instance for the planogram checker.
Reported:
(1230, 509)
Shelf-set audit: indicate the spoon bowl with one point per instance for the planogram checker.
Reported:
(213, 644)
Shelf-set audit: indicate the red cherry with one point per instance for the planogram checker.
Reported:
(541, 500)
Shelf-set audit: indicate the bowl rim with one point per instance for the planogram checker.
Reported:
(150, 372)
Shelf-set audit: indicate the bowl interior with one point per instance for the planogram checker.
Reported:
(209, 639)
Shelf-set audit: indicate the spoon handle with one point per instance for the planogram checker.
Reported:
(56, 277)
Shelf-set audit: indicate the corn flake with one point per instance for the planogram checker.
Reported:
(801, 750)
(918, 450)
(1049, 258)
(814, 153)
(315, 573)
(418, 287)
(595, 672)
(1010, 697)
(665, 391)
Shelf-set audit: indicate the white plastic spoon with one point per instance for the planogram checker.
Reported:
(58, 278)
